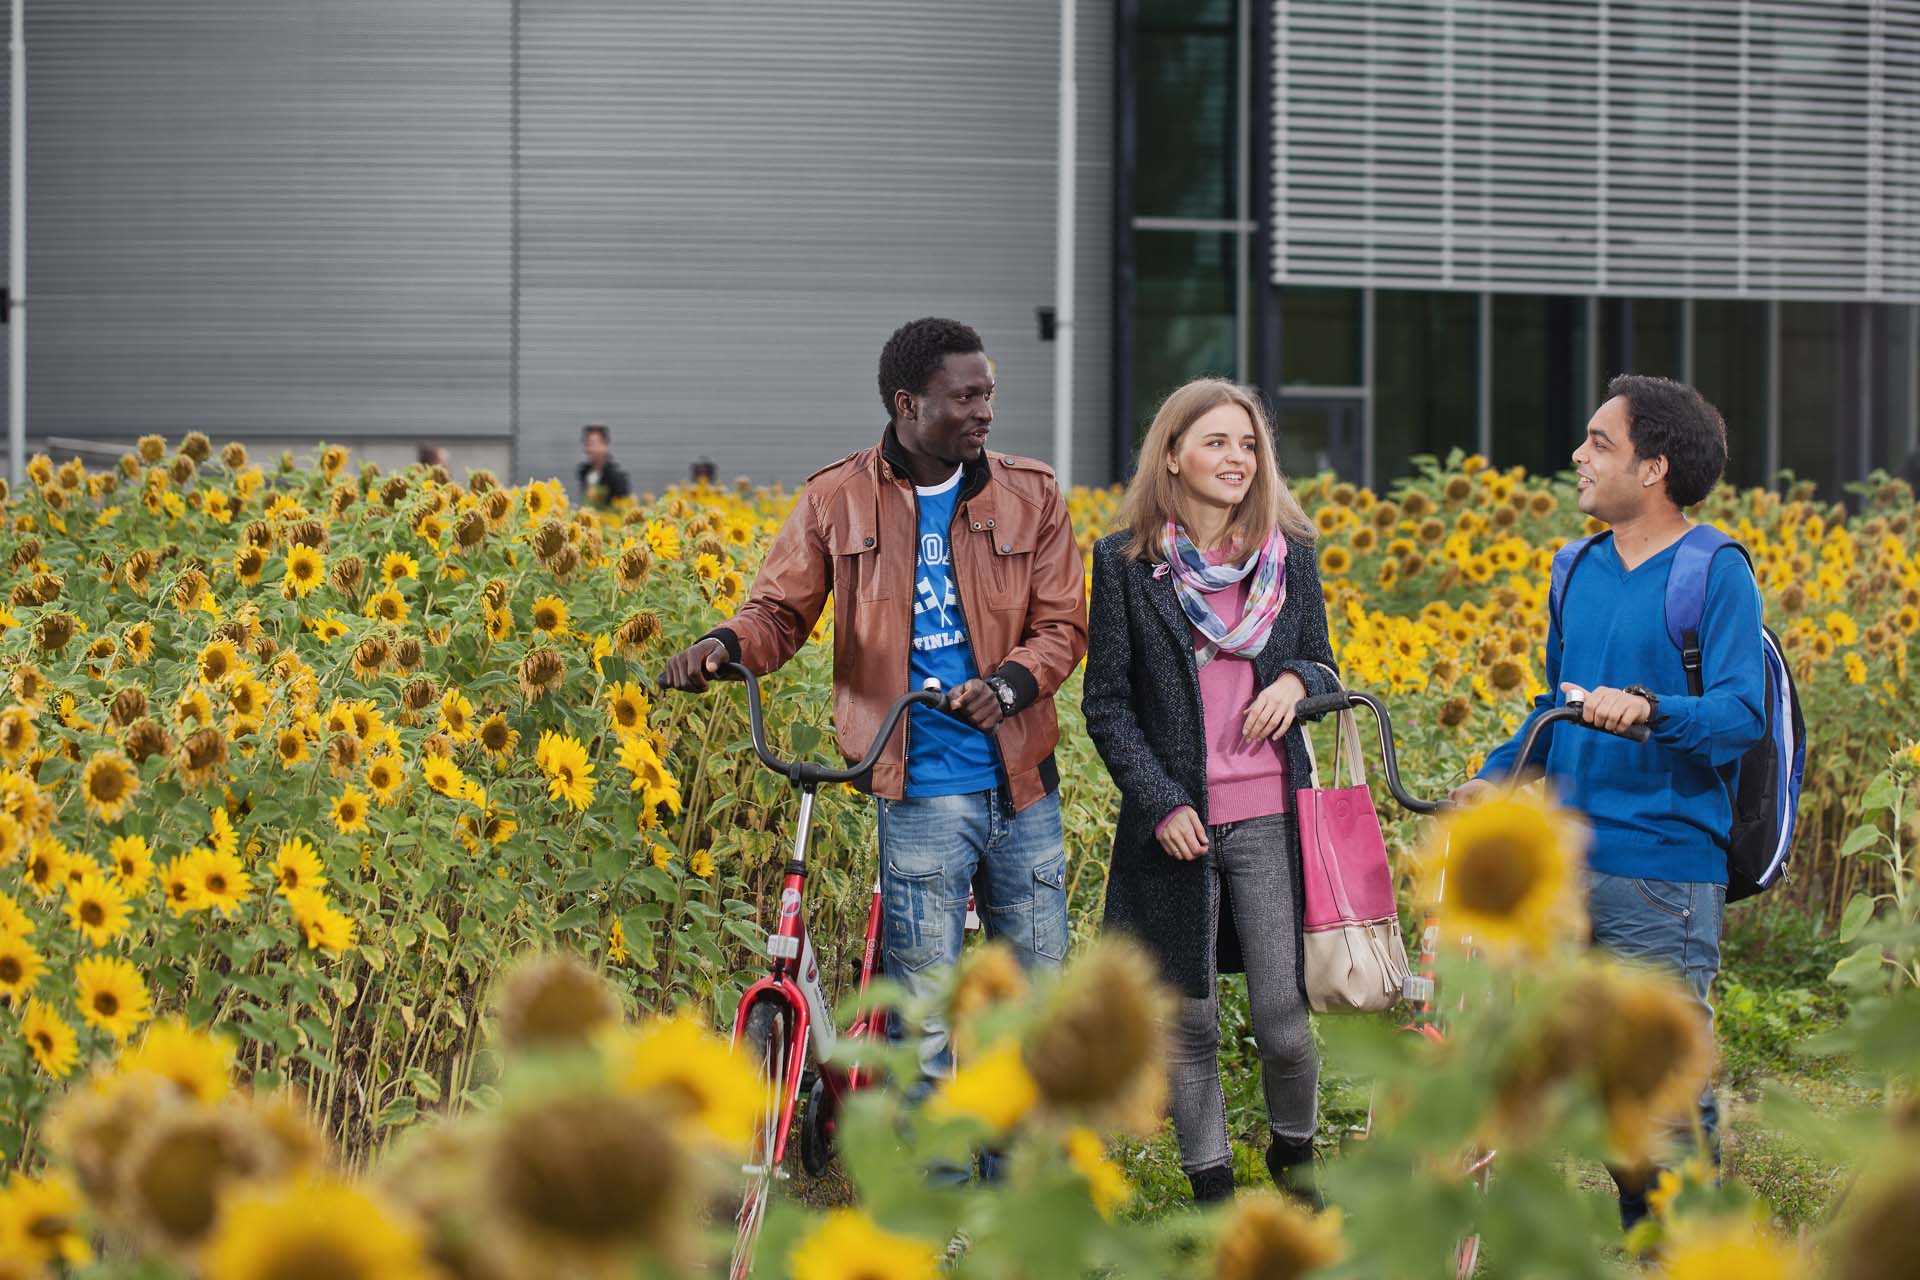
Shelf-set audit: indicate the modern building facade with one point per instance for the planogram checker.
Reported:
(1421, 224)
(1415, 224)
(485, 223)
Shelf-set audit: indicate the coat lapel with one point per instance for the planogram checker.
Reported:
(1165, 603)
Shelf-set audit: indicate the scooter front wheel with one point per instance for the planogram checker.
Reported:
(817, 1129)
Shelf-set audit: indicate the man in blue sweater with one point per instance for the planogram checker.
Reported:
(1659, 810)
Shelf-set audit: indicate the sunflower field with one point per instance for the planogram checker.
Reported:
(348, 854)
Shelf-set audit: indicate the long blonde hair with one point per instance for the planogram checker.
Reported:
(1154, 495)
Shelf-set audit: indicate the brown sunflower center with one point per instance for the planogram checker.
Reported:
(108, 784)
(106, 1003)
(11, 970)
(1497, 876)
(216, 883)
(92, 914)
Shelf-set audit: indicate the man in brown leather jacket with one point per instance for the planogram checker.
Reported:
(944, 561)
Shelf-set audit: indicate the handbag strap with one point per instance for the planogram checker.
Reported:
(1346, 746)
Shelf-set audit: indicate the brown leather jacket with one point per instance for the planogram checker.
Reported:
(854, 533)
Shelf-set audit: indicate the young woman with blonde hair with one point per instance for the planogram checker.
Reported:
(1207, 627)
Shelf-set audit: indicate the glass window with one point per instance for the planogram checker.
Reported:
(1640, 335)
(1183, 323)
(1318, 435)
(1540, 381)
(1187, 72)
(1730, 370)
(1320, 337)
(1893, 405)
(1810, 393)
(1425, 371)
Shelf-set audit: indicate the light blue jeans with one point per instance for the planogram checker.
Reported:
(1675, 925)
(933, 851)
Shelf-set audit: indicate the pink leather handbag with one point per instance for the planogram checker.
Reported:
(1355, 957)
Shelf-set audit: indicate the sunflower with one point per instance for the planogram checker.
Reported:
(202, 752)
(1266, 1237)
(47, 860)
(290, 747)
(499, 624)
(993, 1088)
(327, 627)
(218, 661)
(221, 879)
(249, 563)
(694, 1074)
(297, 866)
(131, 860)
(1107, 1184)
(386, 774)
(111, 995)
(20, 966)
(1335, 560)
(627, 708)
(369, 656)
(197, 1063)
(541, 672)
(442, 774)
(398, 565)
(323, 927)
(497, 738)
(349, 811)
(550, 614)
(569, 773)
(18, 735)
(138, 642)
(1509, 866)
(29, 685)
(97, 908)
(178, 883)
(315, 1226)
(51, 1040)
(223, 839)
(848, 1245)
(13, 839)
(1098, 1052)
(491, 825)
(387, 606)
(109, 785)
(306, 569)
(456, 715)
(13, 917)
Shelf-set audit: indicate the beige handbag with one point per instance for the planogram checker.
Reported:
(1356, 959)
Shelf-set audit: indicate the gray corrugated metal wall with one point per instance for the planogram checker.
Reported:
(727, 208)
(268, 217)
(283, 218)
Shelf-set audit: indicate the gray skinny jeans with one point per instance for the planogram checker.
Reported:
(1255, 857)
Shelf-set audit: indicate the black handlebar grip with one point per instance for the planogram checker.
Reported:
(1322, 703)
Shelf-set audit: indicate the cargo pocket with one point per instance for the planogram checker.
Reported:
(1050, 909)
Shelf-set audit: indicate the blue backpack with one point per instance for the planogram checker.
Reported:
(1764, 784)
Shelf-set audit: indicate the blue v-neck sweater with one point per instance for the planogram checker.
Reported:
(1659, 809)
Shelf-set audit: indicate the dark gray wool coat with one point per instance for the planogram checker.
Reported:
(1142, 703)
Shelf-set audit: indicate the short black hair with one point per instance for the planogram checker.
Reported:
(1670, 419)
(916, 351)
(596, 429)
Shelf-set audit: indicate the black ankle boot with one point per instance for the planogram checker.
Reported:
(1211, 1186)
(1291, 1164)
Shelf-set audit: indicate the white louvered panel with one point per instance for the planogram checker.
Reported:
(1716, 148)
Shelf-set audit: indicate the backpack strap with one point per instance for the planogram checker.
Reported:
(1564, 562)
(1687, 594)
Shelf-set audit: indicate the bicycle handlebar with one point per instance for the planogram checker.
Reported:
(808, 773)
(1341, 700)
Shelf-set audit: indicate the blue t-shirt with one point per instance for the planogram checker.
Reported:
(1659, 809)
(944, 756)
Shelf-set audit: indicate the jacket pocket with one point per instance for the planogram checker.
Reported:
(854, 541)
(1009, 562)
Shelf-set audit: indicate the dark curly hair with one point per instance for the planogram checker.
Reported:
(1670, 419)
(916, 351)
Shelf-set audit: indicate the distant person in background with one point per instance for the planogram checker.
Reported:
(703, 471)
(602, 480)
(433, 455)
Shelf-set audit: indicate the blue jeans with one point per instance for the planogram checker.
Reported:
(933, 851)
(1674, 925)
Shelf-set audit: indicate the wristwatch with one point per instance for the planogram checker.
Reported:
(1653, 700)
(1003, 691)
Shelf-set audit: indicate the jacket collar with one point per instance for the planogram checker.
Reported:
(894, 455)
